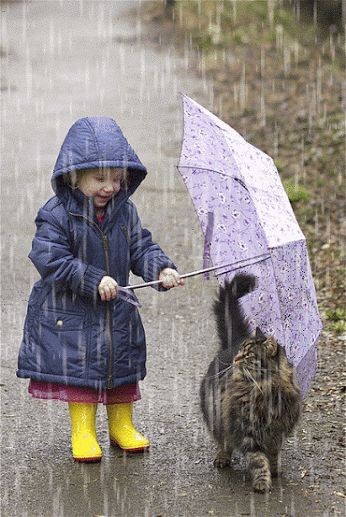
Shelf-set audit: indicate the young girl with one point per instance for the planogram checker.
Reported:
(83, 340)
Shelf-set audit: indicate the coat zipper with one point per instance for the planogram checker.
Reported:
(108, 310)
(108, 316)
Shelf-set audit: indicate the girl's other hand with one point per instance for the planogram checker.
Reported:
(107, 288)
(170, 278)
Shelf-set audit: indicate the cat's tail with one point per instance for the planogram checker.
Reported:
(232, 326)
(241, 285)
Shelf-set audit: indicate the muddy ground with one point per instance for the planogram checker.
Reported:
(63, 60)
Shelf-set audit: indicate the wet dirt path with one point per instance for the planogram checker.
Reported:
(62, 60)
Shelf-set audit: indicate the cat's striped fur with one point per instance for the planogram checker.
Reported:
(249, 397)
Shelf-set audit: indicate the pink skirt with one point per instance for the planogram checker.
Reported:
(54, 391)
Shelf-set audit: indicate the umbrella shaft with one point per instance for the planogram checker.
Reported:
(185, 275)
(235, 265)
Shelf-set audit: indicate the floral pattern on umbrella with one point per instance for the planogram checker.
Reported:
(247, 221)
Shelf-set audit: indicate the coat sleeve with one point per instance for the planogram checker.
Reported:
(147, 258)
(52, 256)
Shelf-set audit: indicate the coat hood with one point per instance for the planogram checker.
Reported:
(91, 143)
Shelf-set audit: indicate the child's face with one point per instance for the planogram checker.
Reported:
(101, 184)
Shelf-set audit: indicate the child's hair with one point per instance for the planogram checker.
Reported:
(71, 179)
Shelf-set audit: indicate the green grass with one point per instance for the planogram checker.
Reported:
(337, 326)
(241, 23)
(336, 319)
(338, 314)
(295, 192)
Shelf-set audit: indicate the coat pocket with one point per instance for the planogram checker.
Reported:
(63, 339)
(62, 321)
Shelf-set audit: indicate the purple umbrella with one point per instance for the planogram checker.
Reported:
(247, 221)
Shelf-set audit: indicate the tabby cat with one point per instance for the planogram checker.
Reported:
(249, 398)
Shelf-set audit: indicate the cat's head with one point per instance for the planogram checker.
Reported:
(257, 352)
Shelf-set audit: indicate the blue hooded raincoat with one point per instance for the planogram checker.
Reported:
(70, 335)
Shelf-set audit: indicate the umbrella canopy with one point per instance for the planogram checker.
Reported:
(247, 221)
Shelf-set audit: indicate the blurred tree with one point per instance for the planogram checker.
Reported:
(326, 13)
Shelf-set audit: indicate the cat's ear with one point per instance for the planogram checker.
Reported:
(259, 334)
(272, 345)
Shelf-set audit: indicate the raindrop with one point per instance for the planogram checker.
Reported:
(279, 32)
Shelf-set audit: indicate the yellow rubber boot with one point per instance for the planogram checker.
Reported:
(122, 432)
(85, 447)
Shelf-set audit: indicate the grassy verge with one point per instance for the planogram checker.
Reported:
(279, 82)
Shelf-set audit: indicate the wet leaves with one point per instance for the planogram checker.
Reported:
(340, 494)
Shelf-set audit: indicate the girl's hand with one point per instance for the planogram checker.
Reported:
(107, 289)
(170, 278)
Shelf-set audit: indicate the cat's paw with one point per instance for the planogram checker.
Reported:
(262, 485)
(222, 461)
